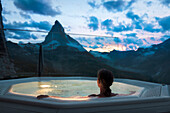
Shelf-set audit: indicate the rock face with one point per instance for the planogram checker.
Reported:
(3, 50)
(6, 67)
(57, 37)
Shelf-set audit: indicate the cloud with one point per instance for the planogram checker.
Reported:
(152, 38)
(122, 27)
(117, 40)
(109, 33)
(132, 47)
(68, 28)
(136, 41)
(4, 19)
(165, 2)
(136, 20)
(99, 42)
(44, 25)
(165, 37)
(117, 5)
(93, 46)
(150, 28)
(164, 22)
(108, 23)
(26, 16)
(20, 35)
(99, 38)
(132, 16)
(139, 23)
(4, 11)
(94, 24)
(130, 3)
(149, 3)
(37, 6)
(93, 4)
(131, 35)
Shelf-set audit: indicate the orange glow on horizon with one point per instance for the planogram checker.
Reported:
(108, 48)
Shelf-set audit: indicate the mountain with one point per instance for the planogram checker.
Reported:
(152, 63)
(57, 37)
(62, 56)
(65, 56)
(24, 61)
(98, 54)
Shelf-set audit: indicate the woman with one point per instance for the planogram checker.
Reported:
(105, 79)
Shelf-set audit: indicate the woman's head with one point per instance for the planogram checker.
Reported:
(105, 78)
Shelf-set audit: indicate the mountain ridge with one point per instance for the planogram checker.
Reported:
(62, 56)
(152, 61)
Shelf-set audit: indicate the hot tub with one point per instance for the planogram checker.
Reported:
(71, 92)
(67, 89)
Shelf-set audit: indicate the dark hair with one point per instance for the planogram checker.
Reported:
(105, 78)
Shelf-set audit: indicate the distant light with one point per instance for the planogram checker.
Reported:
(44, 86)
(55, 86)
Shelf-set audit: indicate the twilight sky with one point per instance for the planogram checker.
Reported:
(117, 24)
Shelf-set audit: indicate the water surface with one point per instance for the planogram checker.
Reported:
(68, 88)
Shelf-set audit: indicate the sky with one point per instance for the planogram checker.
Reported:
(108, 24)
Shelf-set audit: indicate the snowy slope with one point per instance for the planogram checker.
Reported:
(57, 37)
